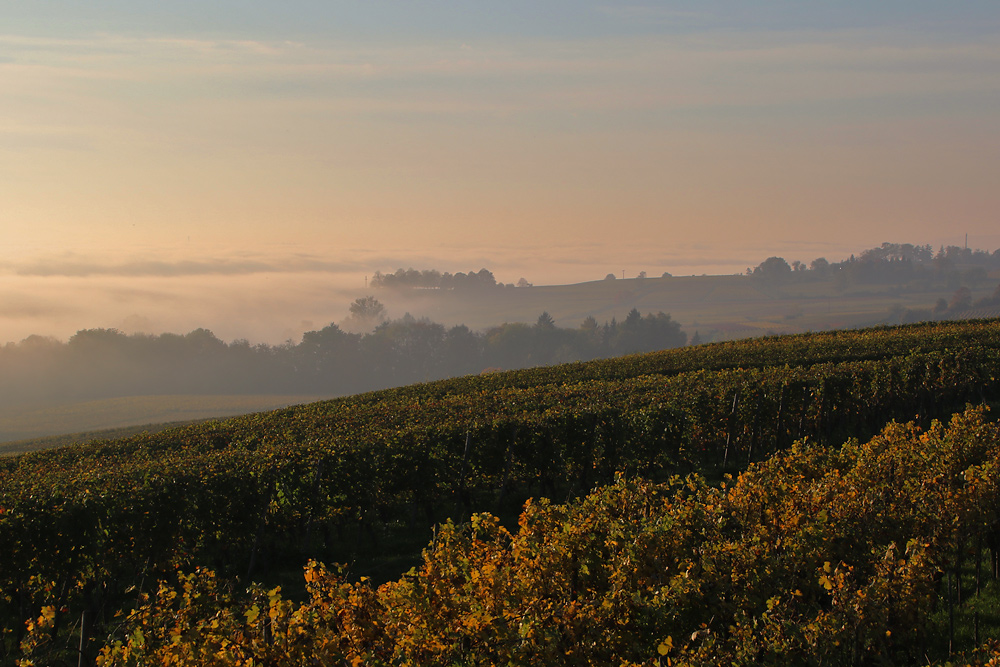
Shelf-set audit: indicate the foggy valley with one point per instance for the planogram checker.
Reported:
(420, 325)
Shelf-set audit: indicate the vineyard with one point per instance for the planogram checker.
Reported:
(704, 509)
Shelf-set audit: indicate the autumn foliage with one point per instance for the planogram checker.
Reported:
(818, 556)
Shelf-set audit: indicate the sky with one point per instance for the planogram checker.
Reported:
(243, 166)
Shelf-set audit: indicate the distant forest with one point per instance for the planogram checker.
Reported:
(434, 279)
(902, 267)
(891, 264)
(104, 363)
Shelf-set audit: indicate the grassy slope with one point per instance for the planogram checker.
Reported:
(26, 430)
(15, 447)
(719, 307)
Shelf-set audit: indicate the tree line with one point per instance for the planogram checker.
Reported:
(890, 264)
(433, 279)
(104, 363)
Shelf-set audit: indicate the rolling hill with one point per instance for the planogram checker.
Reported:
(176, 524)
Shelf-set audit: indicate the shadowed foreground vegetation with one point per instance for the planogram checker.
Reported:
(817, 556)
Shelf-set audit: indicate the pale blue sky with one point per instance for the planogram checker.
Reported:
(521, 18)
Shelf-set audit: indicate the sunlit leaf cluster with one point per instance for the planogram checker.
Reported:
(817, 556)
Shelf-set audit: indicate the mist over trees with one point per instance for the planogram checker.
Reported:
(900, 268)
(106, 363)
(370, 351)
(901, 264)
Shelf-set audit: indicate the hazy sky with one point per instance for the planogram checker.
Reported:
(227, 164)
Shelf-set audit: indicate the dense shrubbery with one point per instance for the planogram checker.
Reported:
(817, 556)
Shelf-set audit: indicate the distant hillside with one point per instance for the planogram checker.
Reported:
(717, 307)
(893, 283)
(433, 326)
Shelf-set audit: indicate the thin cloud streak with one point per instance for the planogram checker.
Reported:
(83, 268)
(731, 69)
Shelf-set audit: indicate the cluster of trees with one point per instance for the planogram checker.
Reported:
(959, 305)
(433, 279)
(890, 263)
(961, 301)
(103, 363)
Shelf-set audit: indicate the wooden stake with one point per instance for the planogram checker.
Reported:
(83, 619)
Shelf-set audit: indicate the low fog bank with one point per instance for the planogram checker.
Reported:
(255, 331)
(259, 307)
(277, 294)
